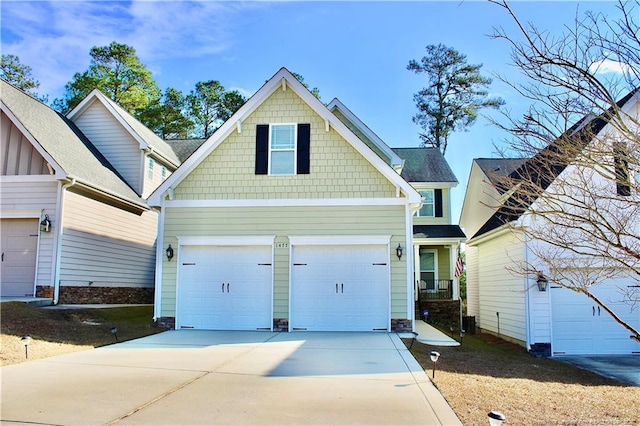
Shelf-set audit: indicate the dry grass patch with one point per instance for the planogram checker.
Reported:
(55, 332)
(486, 373)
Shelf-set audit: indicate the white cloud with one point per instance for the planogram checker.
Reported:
(54, 37)
(608, 66)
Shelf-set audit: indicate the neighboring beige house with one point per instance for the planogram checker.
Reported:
(294, 216)
(85, 175)
(553, 322)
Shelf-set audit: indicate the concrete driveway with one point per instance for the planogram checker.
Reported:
(214, 377)
(624, 368)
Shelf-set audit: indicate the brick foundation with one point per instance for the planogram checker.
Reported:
(401, 324)
(105, 295)
(44, 291)
(280, 324)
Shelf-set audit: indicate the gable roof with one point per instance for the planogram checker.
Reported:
(379, 145)
(183, 148)
(283, 79)
(496, 169)
(140, 133)
(425, 165)
(548, 158)
(65, 147)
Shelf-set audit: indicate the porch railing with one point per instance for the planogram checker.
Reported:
(435, 290)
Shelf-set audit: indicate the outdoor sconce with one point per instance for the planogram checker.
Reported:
(169, 253)
(26, 340)
(434, 358)
(399, 251)
(45, 225)
(496, 418)
(542, 282)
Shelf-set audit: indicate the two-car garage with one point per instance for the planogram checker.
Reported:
(337, 284)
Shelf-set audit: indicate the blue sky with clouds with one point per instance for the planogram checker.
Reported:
(356, 51)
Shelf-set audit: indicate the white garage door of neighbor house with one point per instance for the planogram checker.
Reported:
(19, 246)
(580, 327)
(225, 287)
(340, 288)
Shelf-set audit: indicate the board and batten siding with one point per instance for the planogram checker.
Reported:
(104, 246)
(284, 222)
(113, 141)
(35, 196)
(17, 154)
(501, 290)
(337, 169)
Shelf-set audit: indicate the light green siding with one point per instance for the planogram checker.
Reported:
(284, 222)
(446, 213)
(337, 169)
(361, 135)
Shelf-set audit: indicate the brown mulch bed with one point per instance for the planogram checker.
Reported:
(487, 373)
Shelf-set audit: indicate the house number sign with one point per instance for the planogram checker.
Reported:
(282, 245)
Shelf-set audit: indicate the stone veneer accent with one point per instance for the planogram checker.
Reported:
(167, 322)
(44, 291)
(105, 295)
(442, 312)
(280, 324)
(400, 325)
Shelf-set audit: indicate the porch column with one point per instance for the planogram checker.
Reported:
(453, 254)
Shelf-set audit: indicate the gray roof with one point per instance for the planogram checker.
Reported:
(67, 145)
(424, 165)
(437, 231)
(496, 169)
(183, 148)
(153, 140)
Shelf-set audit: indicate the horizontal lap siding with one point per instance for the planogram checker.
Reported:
(35, 196)
(284, 222)
(501, 290)
(106, 246)
(117, 145)
(472, 268)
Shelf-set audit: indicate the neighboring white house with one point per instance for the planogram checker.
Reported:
(73, 223)
(556, 321)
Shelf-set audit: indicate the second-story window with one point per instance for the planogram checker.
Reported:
(282, 149)
(150, 168)
(428, 203)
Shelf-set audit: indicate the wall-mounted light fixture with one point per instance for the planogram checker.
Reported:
(169, 253)
(45, 225)
(399, 251)
(542, 282)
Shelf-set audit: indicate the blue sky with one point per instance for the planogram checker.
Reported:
(356, 51)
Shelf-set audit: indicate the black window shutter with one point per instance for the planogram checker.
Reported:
(438, 202)
(262, 149)
(304, 138)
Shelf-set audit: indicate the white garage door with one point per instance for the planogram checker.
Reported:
(580, 327)
(225, 287)
(340, 288)
(19, 246)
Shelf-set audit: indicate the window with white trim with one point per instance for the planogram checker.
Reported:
(428, 203)
(150, 168)
(282, 149)
(163, 172)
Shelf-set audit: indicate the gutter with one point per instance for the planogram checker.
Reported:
(56, 279)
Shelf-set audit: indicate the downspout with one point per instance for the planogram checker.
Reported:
(59, 234)
(527, 298)
(409, 250)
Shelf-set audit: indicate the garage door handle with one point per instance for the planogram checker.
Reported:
(336, 288)
(593, 311)
(598, 310)
(3, 257)
(227, 287)
(342, 285)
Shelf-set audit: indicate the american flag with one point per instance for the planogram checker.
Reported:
(459, 266)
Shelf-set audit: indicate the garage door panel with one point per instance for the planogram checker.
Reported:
(340, 288)
(580, 327)
(225, 287)
(19, 246)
